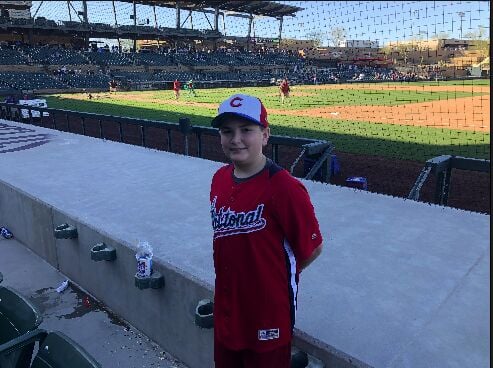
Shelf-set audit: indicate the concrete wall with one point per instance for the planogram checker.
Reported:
(30, 220)
(165, 315)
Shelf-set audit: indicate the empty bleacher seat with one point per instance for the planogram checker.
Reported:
(18, 316)
(86, 80)
(47, 55)
(9, 56)
(150, 58)
(30, 81)
(56, 350)
(108, 58)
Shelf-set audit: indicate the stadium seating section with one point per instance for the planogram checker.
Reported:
(72, 72)
(55, 56)
(9, 56)
(31, 81)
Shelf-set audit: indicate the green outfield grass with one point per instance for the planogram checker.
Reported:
(466, 82)
(396, 141)
(311, 98)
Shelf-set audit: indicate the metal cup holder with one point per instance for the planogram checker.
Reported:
(65, 231)
(154, 281)
(204, 314)
(103, 252)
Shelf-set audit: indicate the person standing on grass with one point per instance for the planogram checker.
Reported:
(284, 90)
(265, 234)
(176, 88)
(191, 88)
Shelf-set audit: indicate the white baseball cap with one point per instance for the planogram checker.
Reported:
(244, 106)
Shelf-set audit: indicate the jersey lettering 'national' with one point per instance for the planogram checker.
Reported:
(226, 222)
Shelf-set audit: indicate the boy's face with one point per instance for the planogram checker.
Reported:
(242, 141)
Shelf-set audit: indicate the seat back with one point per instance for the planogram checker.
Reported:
(59, 351)
(17, 315)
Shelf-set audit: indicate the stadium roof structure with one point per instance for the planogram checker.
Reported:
(30, 26)
(264, 8)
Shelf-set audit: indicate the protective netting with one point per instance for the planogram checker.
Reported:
(390, 84)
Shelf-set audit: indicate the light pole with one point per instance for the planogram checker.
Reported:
(461, 15)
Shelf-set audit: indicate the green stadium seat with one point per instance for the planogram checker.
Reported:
(56, 350)
(18, 316)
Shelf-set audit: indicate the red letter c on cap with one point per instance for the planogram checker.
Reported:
(234, 102)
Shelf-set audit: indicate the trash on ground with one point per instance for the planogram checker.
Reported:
(6, 233)
(62, 287)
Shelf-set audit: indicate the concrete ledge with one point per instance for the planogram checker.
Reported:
(165, 315)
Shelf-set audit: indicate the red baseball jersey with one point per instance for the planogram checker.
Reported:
(284, 87)
(264, 226)
(176, 85)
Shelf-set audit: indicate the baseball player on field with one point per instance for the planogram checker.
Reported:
(284, 90)
(265, 234)
(176, 88)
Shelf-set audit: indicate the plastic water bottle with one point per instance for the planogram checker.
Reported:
(144, 259)
(62, 287)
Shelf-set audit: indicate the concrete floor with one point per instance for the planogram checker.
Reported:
(107, 337)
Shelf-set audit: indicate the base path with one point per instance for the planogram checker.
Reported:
(399, 284)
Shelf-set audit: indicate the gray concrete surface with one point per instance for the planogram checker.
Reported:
(34, 221)
(165, 315)
(399, 284)
(112, 341)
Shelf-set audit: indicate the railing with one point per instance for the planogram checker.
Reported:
(441, 167)
(318, 151)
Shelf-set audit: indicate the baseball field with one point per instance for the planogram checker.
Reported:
(406, 121)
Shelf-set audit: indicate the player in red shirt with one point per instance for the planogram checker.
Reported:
(265, 233)
(176, 88)
(284, 90)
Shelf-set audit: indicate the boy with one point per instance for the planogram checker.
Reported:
(265, 233)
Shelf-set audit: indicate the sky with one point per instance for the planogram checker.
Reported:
(381, 21)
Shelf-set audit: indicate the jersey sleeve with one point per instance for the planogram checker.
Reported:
(296, 216)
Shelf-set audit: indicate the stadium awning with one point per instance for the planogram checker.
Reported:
(265, 8)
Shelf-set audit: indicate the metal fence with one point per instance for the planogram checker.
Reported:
(316, 152)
